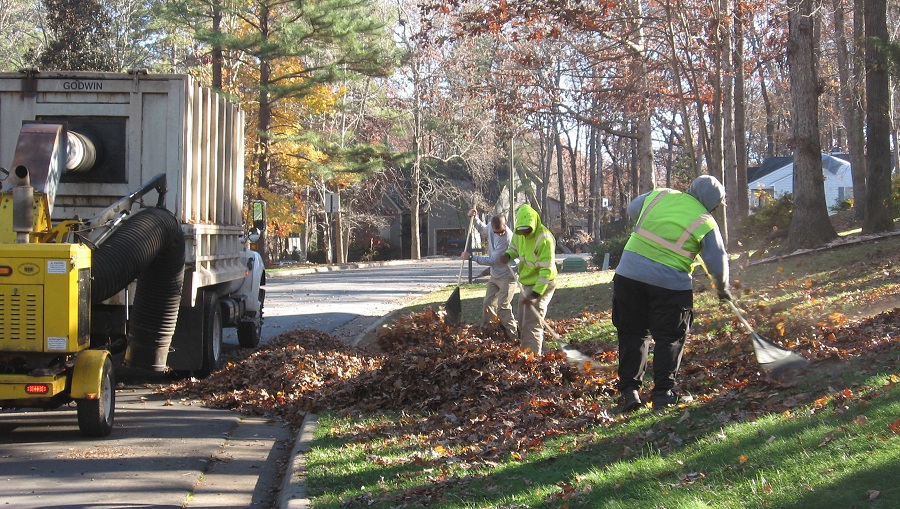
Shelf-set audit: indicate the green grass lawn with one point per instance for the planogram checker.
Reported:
(827, 438)
(837, 456)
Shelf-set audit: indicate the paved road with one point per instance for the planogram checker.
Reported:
(345, 303)
(172, 453)
(161, 454)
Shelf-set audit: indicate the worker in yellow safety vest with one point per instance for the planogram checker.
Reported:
(535, 247)
(653, 290)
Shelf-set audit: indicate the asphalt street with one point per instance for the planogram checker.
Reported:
(347, 300)
(162, 453)
(166, 452)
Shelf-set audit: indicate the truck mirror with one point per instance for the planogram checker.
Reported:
(259, 215)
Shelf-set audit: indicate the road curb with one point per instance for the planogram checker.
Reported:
(293, 488)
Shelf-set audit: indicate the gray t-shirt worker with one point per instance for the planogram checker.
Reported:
(501, 286)
(653, 290)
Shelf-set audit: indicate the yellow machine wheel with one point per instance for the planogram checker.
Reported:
(95, 415)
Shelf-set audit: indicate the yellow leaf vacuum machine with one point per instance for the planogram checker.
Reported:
(121, 236)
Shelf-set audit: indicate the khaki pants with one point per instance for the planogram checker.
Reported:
(498, 302)
(530, 330)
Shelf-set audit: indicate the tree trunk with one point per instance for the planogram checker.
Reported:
(764, 94)
(850, 106)
(682, 100)
(338, 233)
(742, 200)
(646, 179)
(670, 153)
(531, 196)
(593, 189)
(546, 171)
(305, 234)
(573, 150)
(635, 169)
(263, 126)
(217, 60)
(618, 186)
(770, 114)
(511, 217)
(415, 247)
(879, 217)
(715, 163)
(729, 160)
(810, 226)
(560, 176)
(895, 131)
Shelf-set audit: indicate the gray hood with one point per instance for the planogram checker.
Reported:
(708, 191)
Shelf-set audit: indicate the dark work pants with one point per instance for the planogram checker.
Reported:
(641, 311)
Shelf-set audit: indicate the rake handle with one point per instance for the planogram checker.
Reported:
(741, 318)
(465, 248)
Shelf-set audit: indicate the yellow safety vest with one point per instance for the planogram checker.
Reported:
(670, 228)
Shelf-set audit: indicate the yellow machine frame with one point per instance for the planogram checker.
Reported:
(45, 298)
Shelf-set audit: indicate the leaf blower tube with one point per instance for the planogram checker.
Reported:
(148, 246)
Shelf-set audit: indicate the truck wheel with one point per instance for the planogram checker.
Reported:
(95, 416)
(212, 335)
(250, 332)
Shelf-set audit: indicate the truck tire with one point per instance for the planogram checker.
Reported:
(95, 416)
(212, 334)
(250, 331)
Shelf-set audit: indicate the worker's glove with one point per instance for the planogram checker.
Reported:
(724, 295)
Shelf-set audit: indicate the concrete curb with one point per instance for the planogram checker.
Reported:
(293, 489)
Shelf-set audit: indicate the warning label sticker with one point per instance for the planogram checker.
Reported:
(56, 343)
(56, 266)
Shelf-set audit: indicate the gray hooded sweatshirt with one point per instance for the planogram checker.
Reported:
(709, 192)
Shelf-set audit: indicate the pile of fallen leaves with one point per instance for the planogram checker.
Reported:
(283, 378)
(475, 391)
(474, 388)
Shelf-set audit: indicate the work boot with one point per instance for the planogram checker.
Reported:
(669, 398)
(631, 401)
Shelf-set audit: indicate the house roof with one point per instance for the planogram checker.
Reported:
(832, 162)
(768, 165)
(832, 165)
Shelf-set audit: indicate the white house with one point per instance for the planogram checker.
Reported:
(776, 177)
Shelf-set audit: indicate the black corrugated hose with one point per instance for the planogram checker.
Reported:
(148, 246)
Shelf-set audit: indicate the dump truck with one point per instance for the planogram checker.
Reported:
(122, 235)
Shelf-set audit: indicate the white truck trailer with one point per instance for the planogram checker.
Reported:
(121, 229)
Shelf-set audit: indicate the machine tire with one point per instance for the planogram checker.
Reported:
(250, 332)
(95, 416)
(212, 334)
